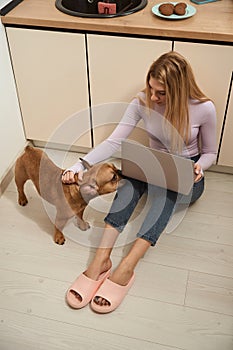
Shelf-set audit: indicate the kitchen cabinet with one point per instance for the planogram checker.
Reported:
(11, 128)
(213, 66)
(225, 155)
(51, 77)
(118, 68)
(59, 74)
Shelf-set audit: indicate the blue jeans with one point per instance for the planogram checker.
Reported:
(163, 203)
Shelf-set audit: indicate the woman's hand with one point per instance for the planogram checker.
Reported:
(68, 177)
(198, 172)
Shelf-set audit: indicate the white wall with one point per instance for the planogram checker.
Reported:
(12, 139)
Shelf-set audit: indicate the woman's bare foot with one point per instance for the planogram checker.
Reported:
(96, 268)
(121, 276)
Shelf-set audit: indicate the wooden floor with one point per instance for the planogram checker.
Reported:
(182, 297)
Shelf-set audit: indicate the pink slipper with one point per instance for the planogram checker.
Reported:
(113, 293)
(85, 287)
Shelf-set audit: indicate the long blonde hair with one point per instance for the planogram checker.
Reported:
(175, 73)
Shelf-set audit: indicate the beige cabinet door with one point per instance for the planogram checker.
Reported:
(51, 77)
(226, 154)
(212, 66)
(118, 68)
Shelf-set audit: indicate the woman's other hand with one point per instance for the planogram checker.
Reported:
(198, 172)
(68, 177)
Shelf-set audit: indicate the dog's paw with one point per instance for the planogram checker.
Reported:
(83, 225)
(59, 238)
(22, 201)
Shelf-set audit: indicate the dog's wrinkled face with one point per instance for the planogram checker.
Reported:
(99, 179)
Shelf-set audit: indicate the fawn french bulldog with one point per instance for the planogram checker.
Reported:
(69, 199)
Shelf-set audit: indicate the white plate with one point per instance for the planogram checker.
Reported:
(190, 11)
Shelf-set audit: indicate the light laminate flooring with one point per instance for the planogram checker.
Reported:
(182, 298)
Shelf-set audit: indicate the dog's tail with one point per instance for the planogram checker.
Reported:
(31, 151)
(28, 147)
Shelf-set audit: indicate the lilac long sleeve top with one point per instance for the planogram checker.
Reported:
(202, 138)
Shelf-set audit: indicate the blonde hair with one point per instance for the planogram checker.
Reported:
(175, 73)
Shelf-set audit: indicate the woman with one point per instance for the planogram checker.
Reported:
(188, 128)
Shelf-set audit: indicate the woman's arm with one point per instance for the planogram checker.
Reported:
(208, 137)
(109, 146)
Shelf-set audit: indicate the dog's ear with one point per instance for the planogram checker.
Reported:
(86, 164)
(117, 171)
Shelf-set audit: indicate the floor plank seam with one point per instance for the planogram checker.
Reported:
(186, 287)
(193, 270)
(200, 240)
(36, 276)
(210, 213)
